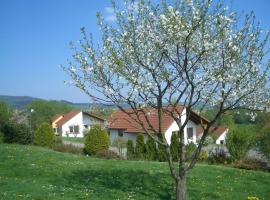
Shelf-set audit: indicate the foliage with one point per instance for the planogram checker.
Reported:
(1, 137)
(161, 153)
(175, 147)
(150, 149)
(97, 139)
(120, 143)
(43, 111)
(251, 164)
(107, 154)
(44, 136)
(208, 140)
(189, 150)
(67, 148)
(5, 113)
(203, 156)
(16, 133)
(102, 110)
(239, 141)
(264, 142)
(140, 146)
(130, 150)
(218, 155)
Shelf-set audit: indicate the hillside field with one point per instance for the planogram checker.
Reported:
(28, 172)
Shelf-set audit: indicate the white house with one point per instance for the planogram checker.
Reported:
(75, 123)
(218, 134)
(122, 124)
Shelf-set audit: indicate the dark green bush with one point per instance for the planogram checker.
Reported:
(251, 164)
(264, 142)
(140, 146)
(130, 150)
(150, 149)
(189, 150)
(97, 139)
(203, 156)
(239, 142)
(44, 136)
(1, 137)
(16, 133)
(107, 154)
(175, 147)
(161, 153)
(218, 155)
(67, 148)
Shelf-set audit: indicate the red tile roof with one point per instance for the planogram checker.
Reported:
(67, 117)
(121, 120)
(56, 117)
(214, 131)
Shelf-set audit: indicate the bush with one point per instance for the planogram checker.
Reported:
(1, 137)
(97, 139)
(130, 150)
(140, 146)
(150, 149)
(161, 153)
(67, 148)
(238, 142)
(175, 147)
(218, 155)
(44, 136)
(16, 133)
(264, 142)
(107, 154)
(203, 156)
(251, 164)
(120, 143)
(189, 150)
(208, 140)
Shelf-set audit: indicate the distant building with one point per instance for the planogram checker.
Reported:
(217, 133)
(75, 123)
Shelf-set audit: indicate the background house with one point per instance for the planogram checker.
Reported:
(217, 133)
(122, 124)
(75, 123)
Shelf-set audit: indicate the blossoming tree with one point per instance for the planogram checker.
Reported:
(194, 53)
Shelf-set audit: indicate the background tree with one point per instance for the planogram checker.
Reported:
(156, 56)
(130, 150)
(44, 136)
(150, 149)
(175, 147)
(140, 146)
(97, 139)
(120, 143)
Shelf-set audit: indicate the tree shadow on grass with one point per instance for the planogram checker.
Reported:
(138, 182)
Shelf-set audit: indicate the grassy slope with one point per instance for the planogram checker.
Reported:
(35, 173)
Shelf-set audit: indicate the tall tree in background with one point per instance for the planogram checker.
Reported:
(193, 53)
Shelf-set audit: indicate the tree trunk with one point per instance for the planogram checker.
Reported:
(181, 188)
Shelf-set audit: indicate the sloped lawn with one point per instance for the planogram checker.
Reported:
(34, 173)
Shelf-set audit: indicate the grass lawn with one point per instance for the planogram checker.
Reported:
(35, 173)
(72, 139)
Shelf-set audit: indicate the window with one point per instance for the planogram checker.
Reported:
(190, 133)
(74, 129)
(71, 129)
(85, 126)
(120, 133)
(221, 141)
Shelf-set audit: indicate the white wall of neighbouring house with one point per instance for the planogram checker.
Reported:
(79, 120)
(222, 137)
(128, 136)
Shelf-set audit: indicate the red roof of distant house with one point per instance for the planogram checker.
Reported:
(56, 117)
(72, 114)
(122, 120)
(214, 131)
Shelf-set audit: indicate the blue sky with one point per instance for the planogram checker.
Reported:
(34, 37)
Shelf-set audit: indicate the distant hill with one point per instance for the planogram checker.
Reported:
(20, 102)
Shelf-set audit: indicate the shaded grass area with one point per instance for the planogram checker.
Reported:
(28, 172)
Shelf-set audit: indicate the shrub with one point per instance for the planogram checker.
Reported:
(208, 140)
(175, 147)
(67, 148)
(189, 150)
(16, 133)
(97, 139)
(120, 143)
(161, 153)
(218, 155)
(1, 137)
(150, 149)
(203, 156)
(130, 150)
(107, 154)
(44, 136)
(238, 142)
(140, 146)
(251, 164)
(264, 142)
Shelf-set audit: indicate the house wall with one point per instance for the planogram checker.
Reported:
(128, 136)
(80, 119)
(222, 137)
